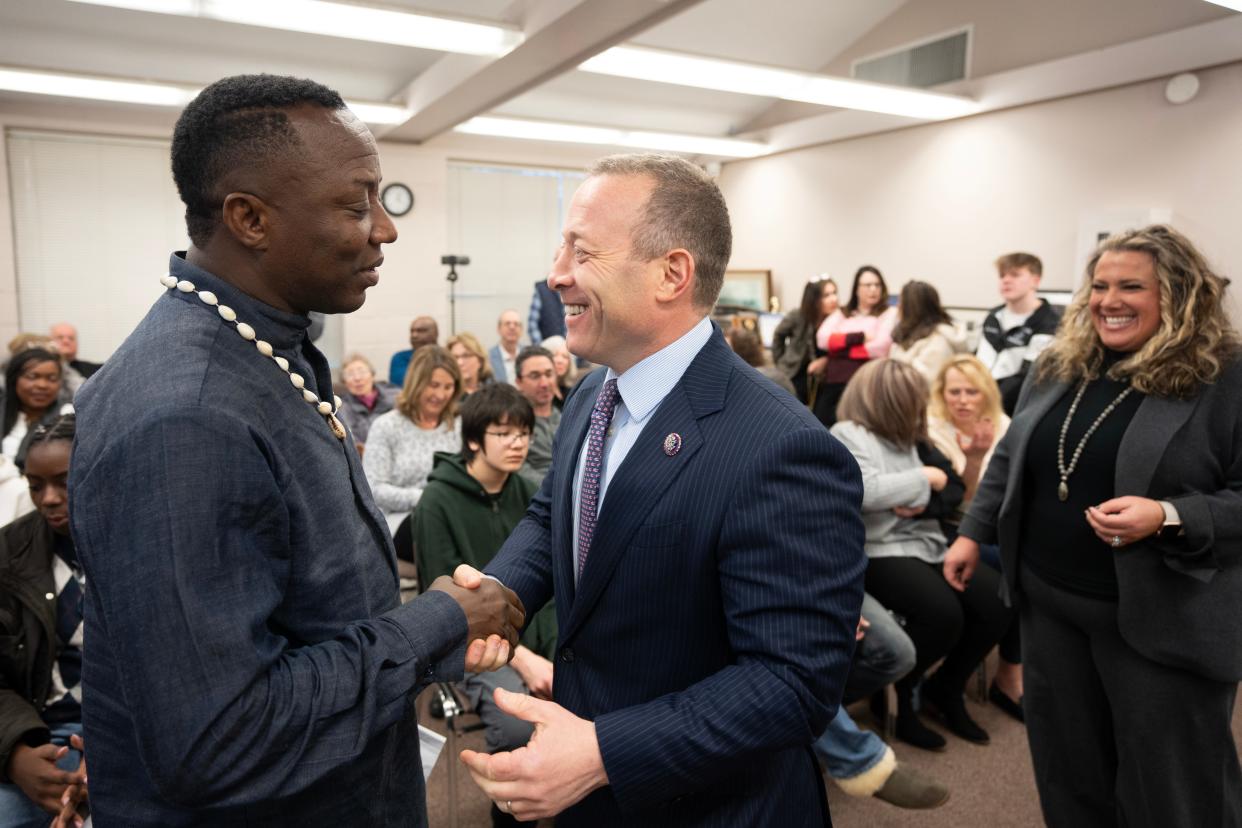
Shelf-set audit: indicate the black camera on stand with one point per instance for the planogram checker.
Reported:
(452, 262)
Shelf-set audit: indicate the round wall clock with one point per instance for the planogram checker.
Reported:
(397, 199)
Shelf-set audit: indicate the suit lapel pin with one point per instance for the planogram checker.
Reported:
(672, 444)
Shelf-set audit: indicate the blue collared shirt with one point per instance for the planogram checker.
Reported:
(642, 388)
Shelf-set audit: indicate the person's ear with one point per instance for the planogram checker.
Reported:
(676, 276)
(248, 219)
(475, 447)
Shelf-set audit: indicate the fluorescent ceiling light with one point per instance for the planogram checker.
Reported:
(790, 85)
(153, 94)
(340, 20)
(1236, 5)
(576, 134)
(98, 89)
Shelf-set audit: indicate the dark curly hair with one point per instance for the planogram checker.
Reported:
(233, 122)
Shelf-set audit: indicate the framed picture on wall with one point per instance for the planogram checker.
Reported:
(749, 289)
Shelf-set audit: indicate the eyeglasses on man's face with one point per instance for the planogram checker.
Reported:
(508, 438)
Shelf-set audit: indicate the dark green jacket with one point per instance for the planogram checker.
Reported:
(457, 522)
(27, 631)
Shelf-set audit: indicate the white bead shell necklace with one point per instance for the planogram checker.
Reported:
(328, 410)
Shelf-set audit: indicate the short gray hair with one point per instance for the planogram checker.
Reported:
(685, 209)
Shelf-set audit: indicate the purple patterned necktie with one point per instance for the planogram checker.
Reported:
(601, 416)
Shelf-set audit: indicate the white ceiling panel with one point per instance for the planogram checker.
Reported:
(795, 34)
(582, 97)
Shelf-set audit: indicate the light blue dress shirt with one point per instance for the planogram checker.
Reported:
(642, 388)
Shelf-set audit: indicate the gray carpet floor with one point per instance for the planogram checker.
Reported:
(990, 785)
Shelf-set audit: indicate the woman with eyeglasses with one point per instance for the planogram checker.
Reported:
(860, 331)
(472, 361)
(365, 399)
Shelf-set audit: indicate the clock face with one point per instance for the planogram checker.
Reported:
(397, 199)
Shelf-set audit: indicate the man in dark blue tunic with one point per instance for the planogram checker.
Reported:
(250, 662)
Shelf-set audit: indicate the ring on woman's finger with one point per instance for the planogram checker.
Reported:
(1116, 541)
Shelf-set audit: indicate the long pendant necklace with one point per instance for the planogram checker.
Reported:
(328, 410)
(1066, 471)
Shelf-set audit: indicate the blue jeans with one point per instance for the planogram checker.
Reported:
(884, 655)
(16, 810)
(845, 750)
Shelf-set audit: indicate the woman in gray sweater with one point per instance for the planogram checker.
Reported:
(882, 418)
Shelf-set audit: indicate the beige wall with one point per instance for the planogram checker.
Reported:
(411, 280)
(940, 202)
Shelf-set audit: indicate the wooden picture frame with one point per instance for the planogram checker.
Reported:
(746, 289)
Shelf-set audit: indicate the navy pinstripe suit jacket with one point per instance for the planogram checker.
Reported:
(711, 633)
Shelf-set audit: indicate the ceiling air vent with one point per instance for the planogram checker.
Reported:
(941, 59)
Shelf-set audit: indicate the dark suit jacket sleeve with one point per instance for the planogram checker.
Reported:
(791, 561)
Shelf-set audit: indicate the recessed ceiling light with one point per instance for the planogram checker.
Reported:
(579, 134)
(346, 20)
(152, 94)
(765, 81)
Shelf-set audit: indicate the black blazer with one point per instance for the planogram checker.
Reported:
(1180, 601)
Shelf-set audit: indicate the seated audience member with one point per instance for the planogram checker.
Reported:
(41, 642)
(403, 442)
(925, 335)
(32, 387)
(749, 347)
(70, 380)
(365, 398)
(882, 419)
(423, 331)
(858, 760)
(860, 331)
(1016, 332)
(470, 505)
(65, 337)
(503, 355)
(547, 314)
(566, 367)
(793, 341)
(965, 422)
(536, 379)
(472, 361)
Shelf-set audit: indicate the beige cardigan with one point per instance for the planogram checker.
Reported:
(932, 351)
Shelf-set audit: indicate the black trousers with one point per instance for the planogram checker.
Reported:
(826, 399)
(1118, 739)
(960, 627)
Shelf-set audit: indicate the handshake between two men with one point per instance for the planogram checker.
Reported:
(561, 764)
(494, 617)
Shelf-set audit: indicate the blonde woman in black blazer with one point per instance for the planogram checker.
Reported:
(1124, 549)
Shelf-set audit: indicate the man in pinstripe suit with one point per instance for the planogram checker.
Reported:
(701, 532)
